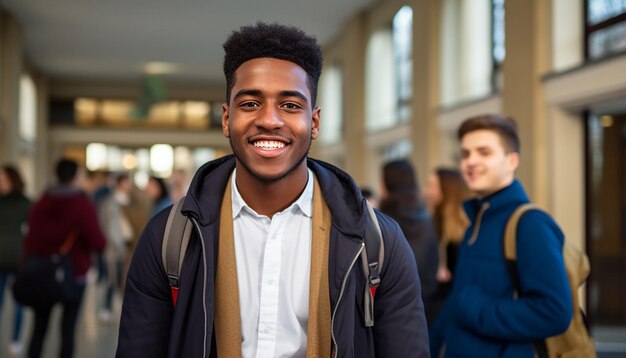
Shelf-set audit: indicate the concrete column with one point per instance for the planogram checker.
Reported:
(527, 60)
(353, 47)
(426, 58)
(43, 165)
(10, 71)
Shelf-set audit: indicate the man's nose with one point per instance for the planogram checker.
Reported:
(470, 158)
(269, 118)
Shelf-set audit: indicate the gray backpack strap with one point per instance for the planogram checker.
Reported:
(175, 242)
(372, 258)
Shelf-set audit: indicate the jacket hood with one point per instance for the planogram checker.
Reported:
(339, 190)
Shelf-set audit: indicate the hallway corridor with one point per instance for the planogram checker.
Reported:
(94, 338)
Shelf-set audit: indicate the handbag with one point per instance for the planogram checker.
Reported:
(43, 281)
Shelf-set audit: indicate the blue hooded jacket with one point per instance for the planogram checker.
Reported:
(481, 317)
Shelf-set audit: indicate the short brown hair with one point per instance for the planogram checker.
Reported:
(505, 127)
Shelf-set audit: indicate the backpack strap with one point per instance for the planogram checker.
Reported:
(175, 242)
(178, 231)
(372, 258)
(510, 233)
(510, 255)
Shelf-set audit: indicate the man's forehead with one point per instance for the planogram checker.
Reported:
(481, 139)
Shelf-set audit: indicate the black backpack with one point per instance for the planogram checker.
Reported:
(178, 232)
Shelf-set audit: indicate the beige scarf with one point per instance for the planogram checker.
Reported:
(227, 315)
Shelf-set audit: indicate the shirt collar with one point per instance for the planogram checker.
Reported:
(304, 202)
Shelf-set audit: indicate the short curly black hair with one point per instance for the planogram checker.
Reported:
(274, 41)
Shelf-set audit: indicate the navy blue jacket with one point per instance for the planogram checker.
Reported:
(150, 327)
(481, 317)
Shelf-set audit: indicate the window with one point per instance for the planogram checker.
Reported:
(605, 27)
(403, 60)
(331, 103)
(28, 109)
(498, 50)
(472, 48)
(389, 73)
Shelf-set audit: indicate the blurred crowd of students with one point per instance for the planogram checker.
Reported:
(102, 212)
(432, 220)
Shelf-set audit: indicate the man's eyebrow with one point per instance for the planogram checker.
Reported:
(294, 94)
(247, 92)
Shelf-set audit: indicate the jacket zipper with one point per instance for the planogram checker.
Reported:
(195, 224)
(479, 218)
(343, 287)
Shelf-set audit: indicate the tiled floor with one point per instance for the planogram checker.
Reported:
(97, 339)
(94, 339)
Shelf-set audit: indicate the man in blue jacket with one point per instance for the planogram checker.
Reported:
(482, 317)
(272, 266)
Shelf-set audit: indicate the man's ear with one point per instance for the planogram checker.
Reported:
(315, 123)
(225, 121)
(513, 160)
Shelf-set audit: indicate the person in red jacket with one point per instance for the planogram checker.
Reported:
(63, 212)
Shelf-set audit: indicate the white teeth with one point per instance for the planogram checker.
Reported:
(269, 144)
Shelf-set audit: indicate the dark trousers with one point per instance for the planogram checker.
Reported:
(71, 309)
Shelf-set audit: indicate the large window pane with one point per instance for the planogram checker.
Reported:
(389, 73)
(331, 103)
(607, 41)
(381, 97)
(602, 10)
(28, 109)
(403, 57)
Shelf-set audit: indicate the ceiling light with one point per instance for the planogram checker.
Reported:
(160, 68)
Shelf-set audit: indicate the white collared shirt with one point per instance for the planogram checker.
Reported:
(273, 265)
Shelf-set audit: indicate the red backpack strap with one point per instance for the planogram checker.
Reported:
(372, 258)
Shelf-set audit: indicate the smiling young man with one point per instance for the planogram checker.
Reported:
(482, 317)
(272, 265)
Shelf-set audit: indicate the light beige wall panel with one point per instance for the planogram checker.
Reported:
(527, 60)
(426, 82)
(567, 173)
(592, 83)
(43, 163)
(67, 88)
(10, 72)
(351, 56)
(137, 137)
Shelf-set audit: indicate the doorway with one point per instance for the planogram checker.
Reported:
(606, 222)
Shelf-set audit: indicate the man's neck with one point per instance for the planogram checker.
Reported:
(269, 198)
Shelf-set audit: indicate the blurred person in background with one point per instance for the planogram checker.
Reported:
(158, 192)
(119, 233)
(179, 183)
(64, 211)
(403, 202)
(486, 313)
(99, 188)
(445, 193)
(14, 207)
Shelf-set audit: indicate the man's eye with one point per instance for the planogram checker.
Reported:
(248, 104)
(291, 106)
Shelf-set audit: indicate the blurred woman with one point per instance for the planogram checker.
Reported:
(403, 202)
(13, 216)
(446, 192)
(159, 194)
